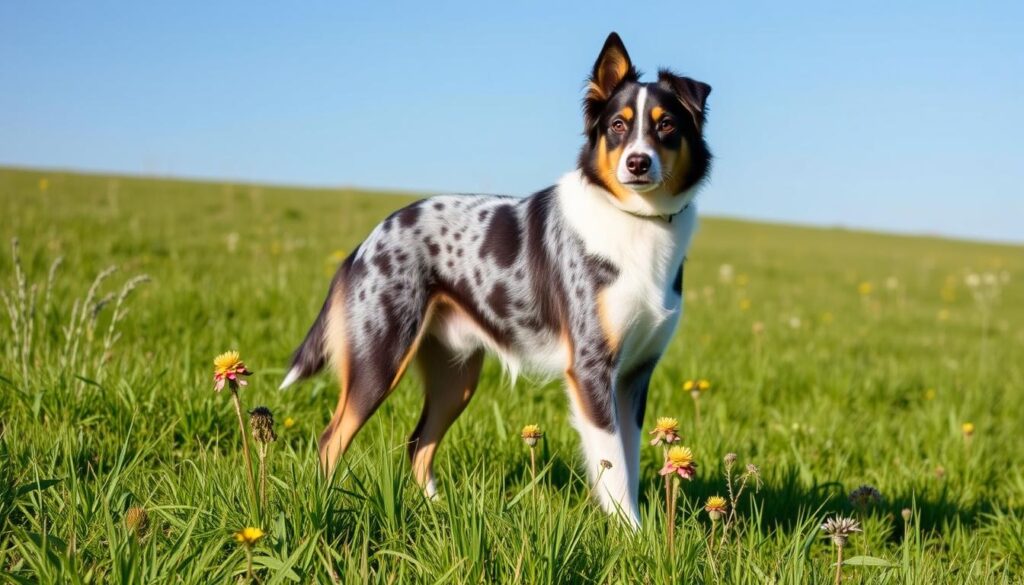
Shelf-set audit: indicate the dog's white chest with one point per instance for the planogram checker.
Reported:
(641, 308)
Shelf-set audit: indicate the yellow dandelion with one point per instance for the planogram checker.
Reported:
(967, 428)
(666, 430)
(716, 507)
(228, 369)
(865, 288)
(930, 394)
(744, 304)
(531, 434)
(680, 456)
(679, 460)
(44, 184)
(666, 424)
(289, 422)
(249, 535)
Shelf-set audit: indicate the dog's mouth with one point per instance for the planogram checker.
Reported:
(641, 185)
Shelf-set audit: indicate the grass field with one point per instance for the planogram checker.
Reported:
(835, 359)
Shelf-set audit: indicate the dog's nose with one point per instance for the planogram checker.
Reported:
(638, 164)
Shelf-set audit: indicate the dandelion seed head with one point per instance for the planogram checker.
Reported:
(865, 496)
(839, 529)
(261, 421)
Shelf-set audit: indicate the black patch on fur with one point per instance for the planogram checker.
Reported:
(383, 263)
(547, 302)
(461, 291)
(408, 216)
(499, 300)
(601, 272)
(677, 284)
(502, 240)
(636, 383)
(432, 248)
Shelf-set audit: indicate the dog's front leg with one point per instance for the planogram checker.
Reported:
(630, 406)
(592, 394)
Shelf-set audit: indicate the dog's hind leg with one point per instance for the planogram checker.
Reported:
(448, 385)
(370, 355)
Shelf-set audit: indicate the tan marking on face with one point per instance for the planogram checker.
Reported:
(607, 162)
(678, 163)
(611, 334)
(627, 113)
(656, 113)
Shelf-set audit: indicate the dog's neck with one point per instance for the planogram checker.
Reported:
(648, 213)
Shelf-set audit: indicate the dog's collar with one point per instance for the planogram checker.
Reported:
(663, 216)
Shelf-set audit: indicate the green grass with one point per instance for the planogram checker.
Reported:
(840, 389)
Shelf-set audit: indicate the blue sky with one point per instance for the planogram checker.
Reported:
(904, 116)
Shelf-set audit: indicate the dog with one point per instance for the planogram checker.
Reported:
(582, 279)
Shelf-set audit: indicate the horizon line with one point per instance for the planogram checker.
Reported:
(401, 192)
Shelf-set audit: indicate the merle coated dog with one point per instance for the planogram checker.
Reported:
(582, 279)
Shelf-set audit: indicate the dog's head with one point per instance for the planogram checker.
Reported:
(645, 142)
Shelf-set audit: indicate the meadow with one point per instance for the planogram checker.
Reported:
(835, 359)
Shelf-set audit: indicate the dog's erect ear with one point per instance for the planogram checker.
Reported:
(611, 69)
(692, 93)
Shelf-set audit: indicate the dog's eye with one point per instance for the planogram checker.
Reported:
(666, 125)
(619, 127)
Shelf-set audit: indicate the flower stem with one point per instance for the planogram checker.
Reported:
(245, 441)
(839, 565)
(672, 515)
(533, 464)
(263, 474)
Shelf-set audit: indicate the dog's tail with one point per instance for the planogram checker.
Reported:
(310, 357)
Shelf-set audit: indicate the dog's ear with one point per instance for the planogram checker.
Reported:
(612, 68)
(692, 94)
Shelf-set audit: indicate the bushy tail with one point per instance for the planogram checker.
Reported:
(310, 356)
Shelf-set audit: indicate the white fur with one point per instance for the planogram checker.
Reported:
(640, 145)
(545, 357)
(611, 486)
(293, 375)
(647, 250)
